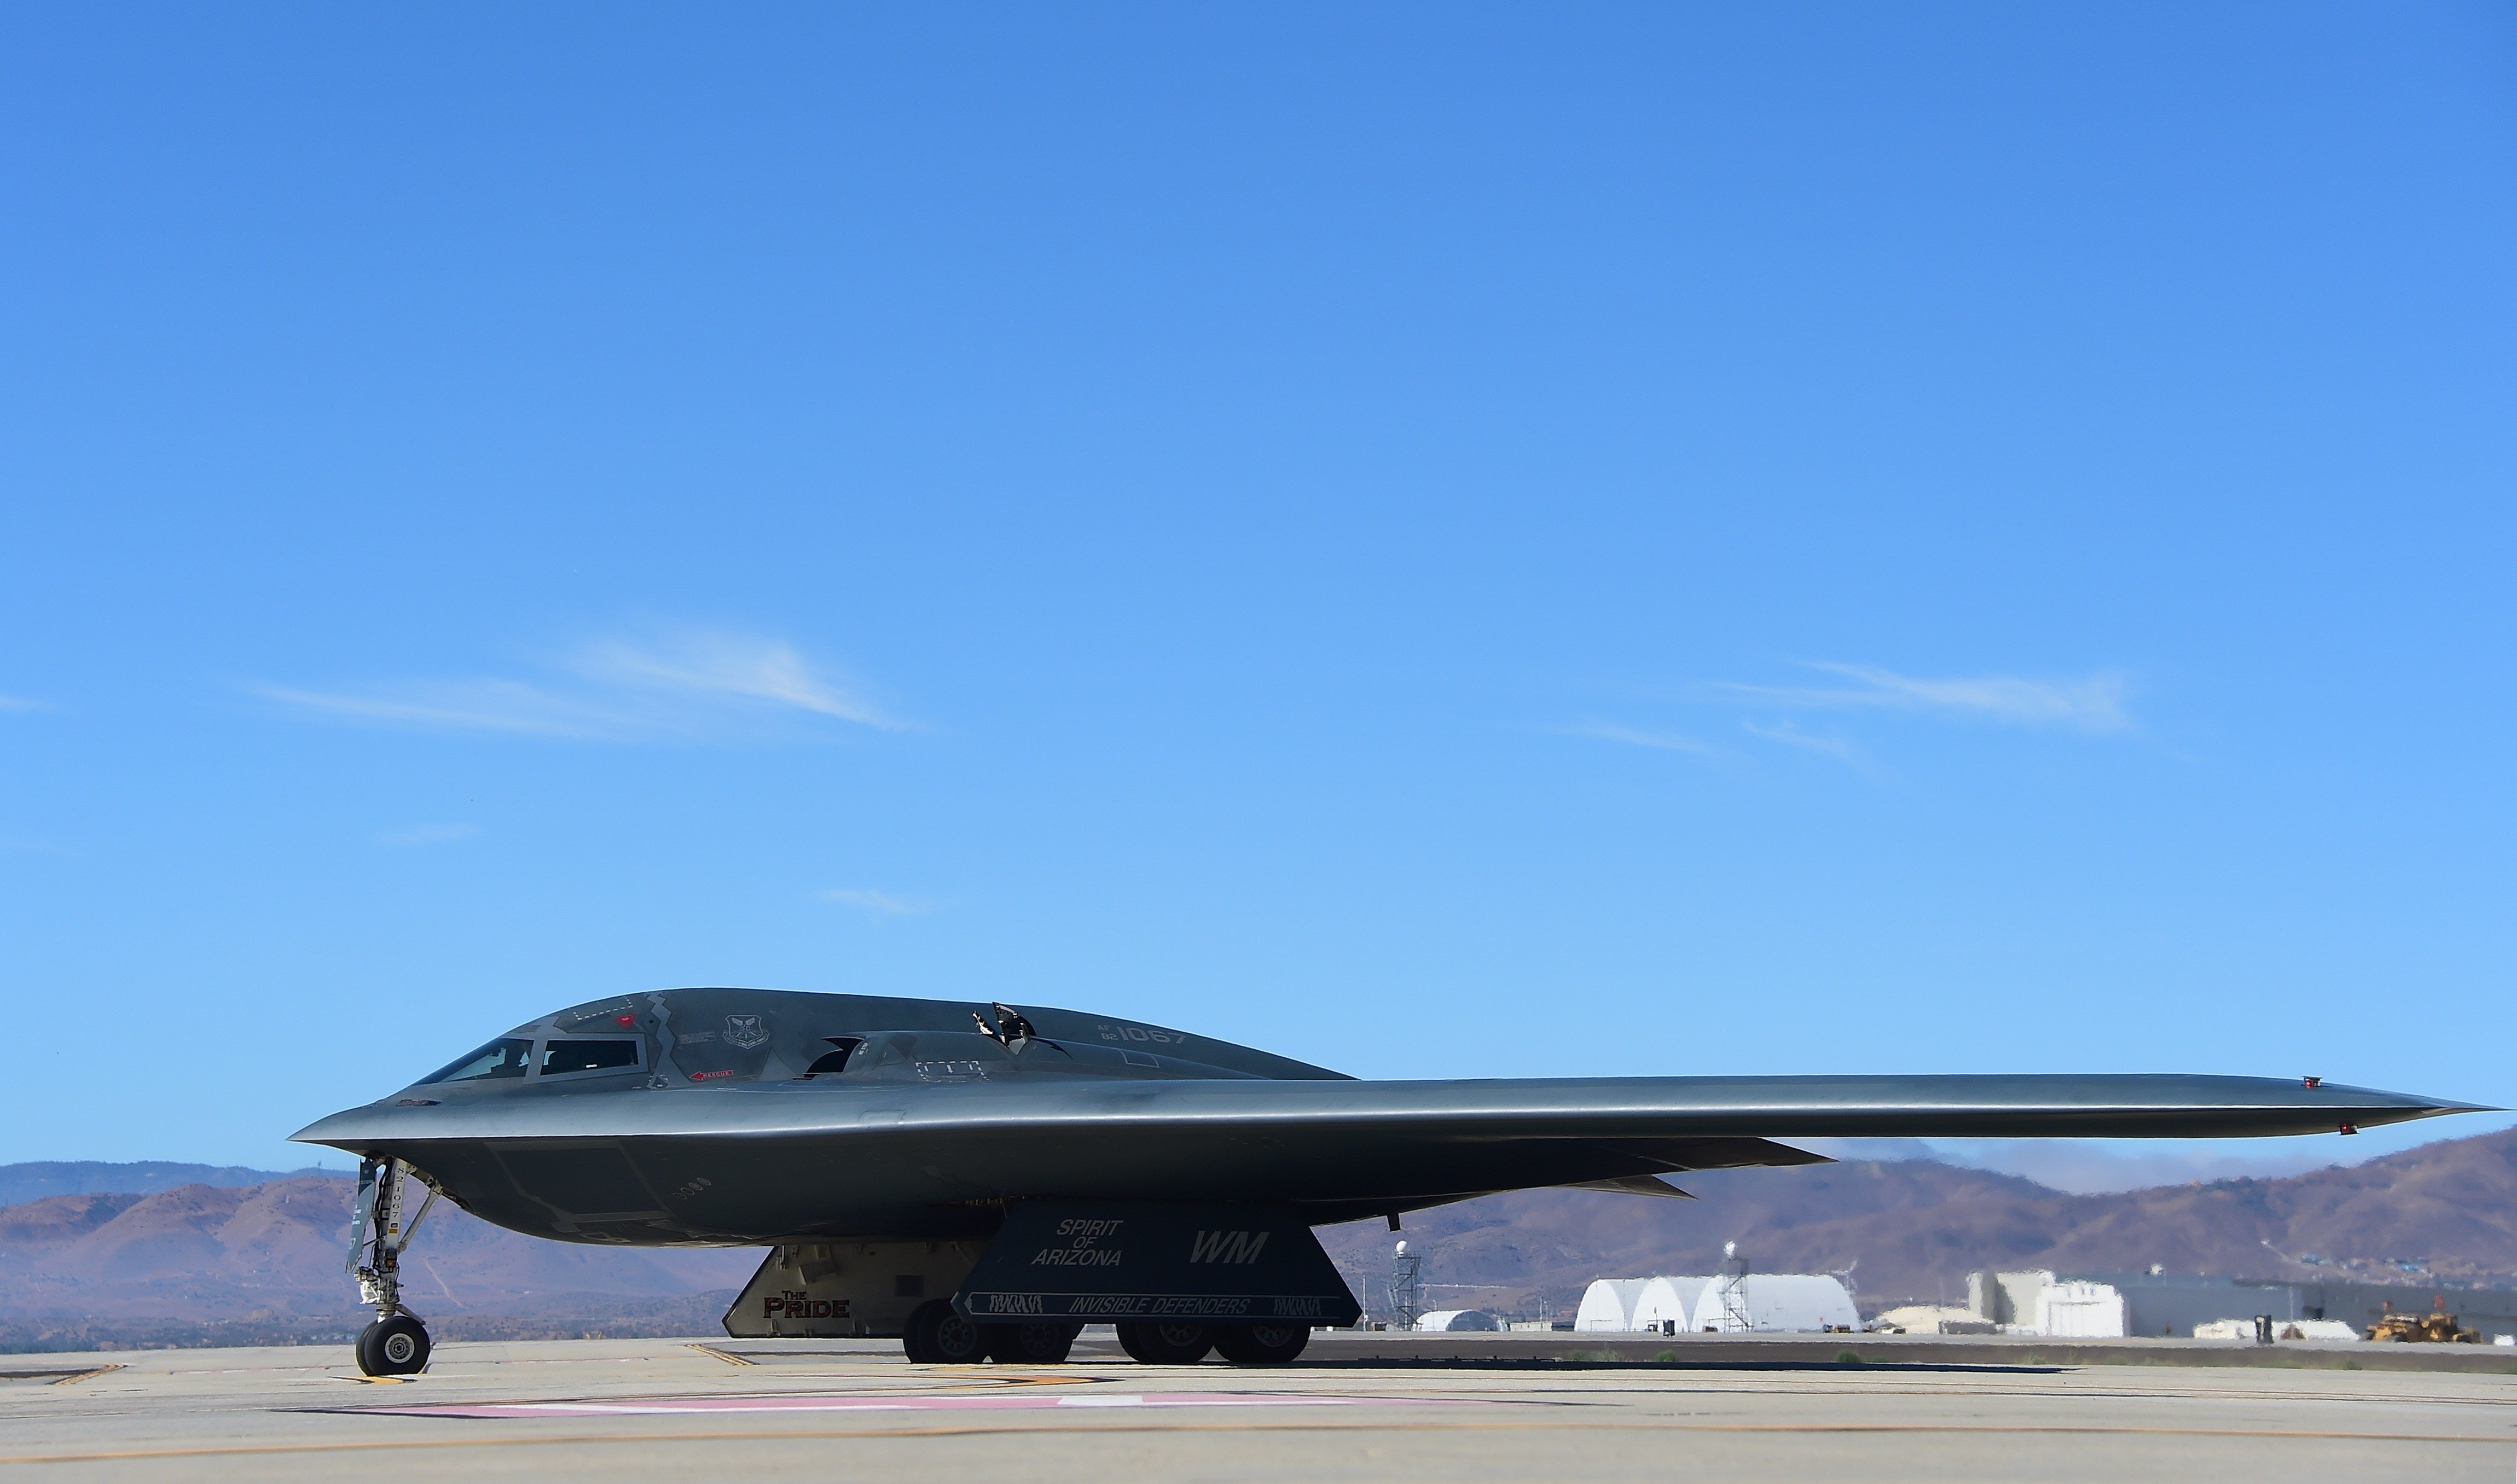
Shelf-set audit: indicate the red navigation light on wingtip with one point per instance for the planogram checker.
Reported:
(2311, 1082)
(2350, 1128)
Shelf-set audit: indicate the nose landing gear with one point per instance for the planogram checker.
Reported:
(396, 1342)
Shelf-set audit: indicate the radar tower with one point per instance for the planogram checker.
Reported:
(1406, 1285)
(1734, 1292)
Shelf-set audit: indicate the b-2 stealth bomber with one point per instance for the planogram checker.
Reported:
(982, 1180)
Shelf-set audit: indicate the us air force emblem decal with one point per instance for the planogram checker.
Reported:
(745, 1030)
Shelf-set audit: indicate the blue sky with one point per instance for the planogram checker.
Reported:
(1439, 540)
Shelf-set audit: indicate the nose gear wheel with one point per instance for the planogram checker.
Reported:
(396, 1343)
(395, 1347)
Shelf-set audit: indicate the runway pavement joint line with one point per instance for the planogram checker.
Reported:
(891, 1401)
(62, 1377)
(88, 1374)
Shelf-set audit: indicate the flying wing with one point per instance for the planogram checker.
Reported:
(822, 1158)
(875, 1143)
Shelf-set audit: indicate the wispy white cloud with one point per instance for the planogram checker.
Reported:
(463, 705)
(880, 904)
(429, 834)
(9, 702)
(1635, 737)
(691, 685)
(738, 666)
(1790, 735)
(2090, 703)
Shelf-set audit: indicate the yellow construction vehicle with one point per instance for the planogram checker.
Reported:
(2438, 1326)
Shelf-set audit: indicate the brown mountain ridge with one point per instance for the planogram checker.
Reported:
(1912, 1230)
(201, 1263)
(263, 1263)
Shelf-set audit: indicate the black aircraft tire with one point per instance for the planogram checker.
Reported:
(395, 1347)
(939, 1337)
(1042, 1342)
(913, 1344)
(1261, 1344)
(1166, 1344)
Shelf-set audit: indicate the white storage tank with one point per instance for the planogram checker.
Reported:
(1777, 1303)
(1608, 1304)
(1663, 1305)
(1455, 1321)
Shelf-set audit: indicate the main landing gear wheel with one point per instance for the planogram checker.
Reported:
(938, 1337)
(395, 1347)
(1166, 1344)
(1261, 1344)
(1044, 1342)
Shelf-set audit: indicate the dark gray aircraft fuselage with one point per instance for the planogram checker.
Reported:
(754, 1117)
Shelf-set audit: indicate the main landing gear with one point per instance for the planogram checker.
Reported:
(396, 1342)
(1185, 1344)
(939, 1337)
(1261, 1344)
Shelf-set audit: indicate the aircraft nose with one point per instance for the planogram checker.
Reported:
(345, 1130)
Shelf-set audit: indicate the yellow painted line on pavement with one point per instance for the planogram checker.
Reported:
(75, 1377)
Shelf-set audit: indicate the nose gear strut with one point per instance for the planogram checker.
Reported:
(396, 1342)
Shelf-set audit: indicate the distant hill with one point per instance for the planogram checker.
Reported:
(1911, 1230)
(39, 1178)
(263, 1263)
(204, 1262)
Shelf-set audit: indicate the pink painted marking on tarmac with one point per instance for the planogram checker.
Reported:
(1027, 1401)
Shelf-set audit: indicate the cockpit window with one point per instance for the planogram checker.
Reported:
(607, 1055)
(508, 1056)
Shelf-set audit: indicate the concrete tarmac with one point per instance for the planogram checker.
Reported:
(615, 1410)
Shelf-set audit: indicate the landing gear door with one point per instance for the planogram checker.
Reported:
(845, 1289)
(1111, 1261)
(362, 1212)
